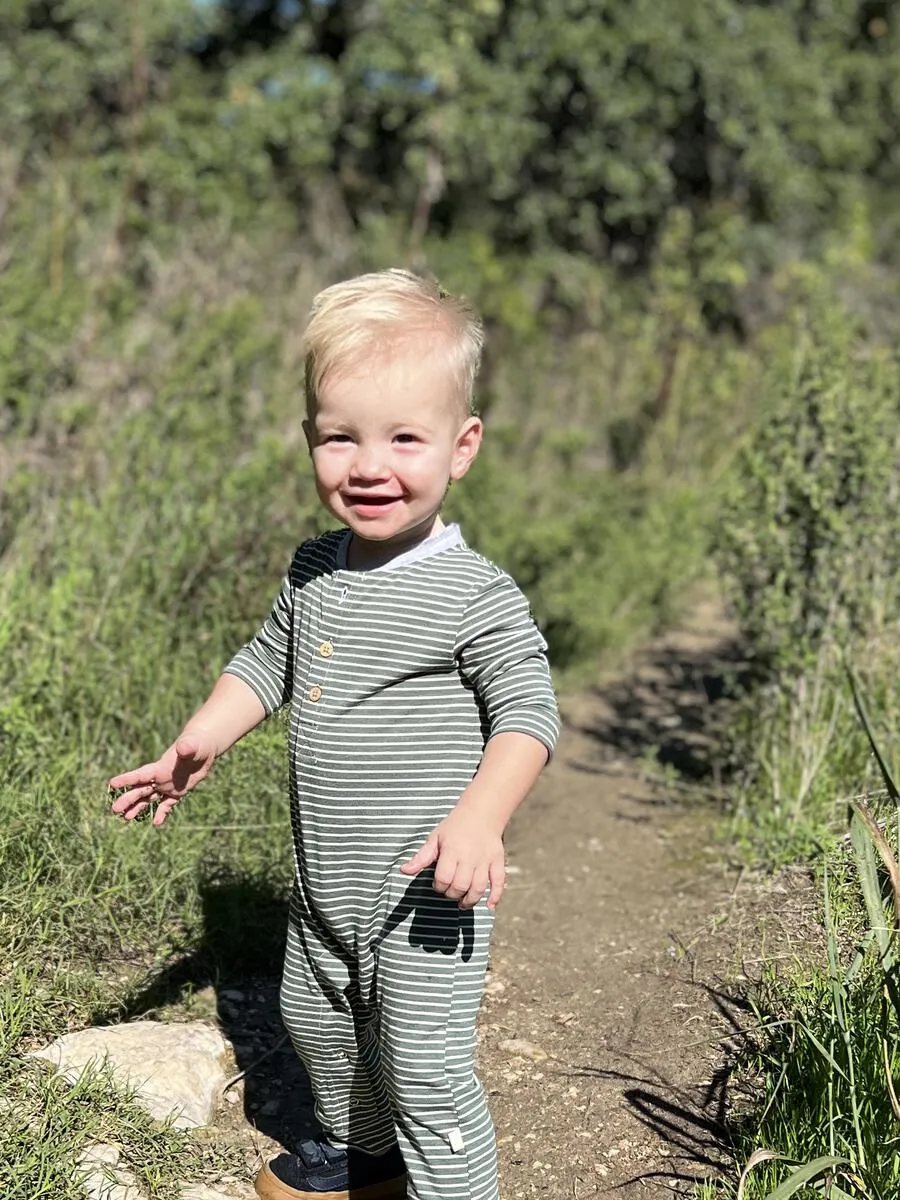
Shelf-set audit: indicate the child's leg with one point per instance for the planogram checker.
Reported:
(430, 977)
(320, 1008)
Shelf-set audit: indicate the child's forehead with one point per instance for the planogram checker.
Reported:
(406, 358)
(414, 382)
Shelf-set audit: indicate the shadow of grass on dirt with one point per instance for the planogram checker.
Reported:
(238, 957)
(692, 1126)
(694, 1123)
(668, 707)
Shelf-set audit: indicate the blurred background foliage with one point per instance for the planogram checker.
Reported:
(680, 223)
(635, 204)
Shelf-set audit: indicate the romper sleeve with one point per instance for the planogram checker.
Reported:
(266, 662)
(503, 655)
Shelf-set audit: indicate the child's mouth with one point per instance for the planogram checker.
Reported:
(369, 505)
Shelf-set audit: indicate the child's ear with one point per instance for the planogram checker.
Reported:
(468, 442)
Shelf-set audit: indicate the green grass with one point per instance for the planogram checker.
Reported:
(816, 1066)
(153, 493)
(94, 914)
(823, 1062)
(48, 1125)
(799, 753)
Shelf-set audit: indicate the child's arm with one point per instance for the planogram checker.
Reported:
(232, 710)
(467, 846)
(502, 654)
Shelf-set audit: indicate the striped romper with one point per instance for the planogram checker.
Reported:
(396, 678)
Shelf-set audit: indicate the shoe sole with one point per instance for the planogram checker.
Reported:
(269, 1187)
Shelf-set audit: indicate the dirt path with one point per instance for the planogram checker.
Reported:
(604, 1030)
(605, 1011)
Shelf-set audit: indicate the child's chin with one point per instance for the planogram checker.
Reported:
(378, 532)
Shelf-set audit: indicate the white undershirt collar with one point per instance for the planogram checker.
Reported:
(447, 539)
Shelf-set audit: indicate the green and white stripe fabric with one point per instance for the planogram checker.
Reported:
(396, 678)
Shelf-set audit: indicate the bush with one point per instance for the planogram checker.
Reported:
(807, 538)
(811, 562)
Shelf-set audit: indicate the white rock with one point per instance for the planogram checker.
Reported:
(102, 1178)
(174, 1069)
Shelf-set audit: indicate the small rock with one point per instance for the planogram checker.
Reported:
(102, 1178)
(523, 1049)
(174, 1069)
(232, 994)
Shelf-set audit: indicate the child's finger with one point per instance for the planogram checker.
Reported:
(497, 877)
(445, 880)
(135, 810)
(163, 809)
(476, 890)
(137, 778)
(423, 857)
(123, 805)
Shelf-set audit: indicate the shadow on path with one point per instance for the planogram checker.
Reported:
(664, 707)
(692, 1122)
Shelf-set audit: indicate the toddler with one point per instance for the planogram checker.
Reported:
(421, 714)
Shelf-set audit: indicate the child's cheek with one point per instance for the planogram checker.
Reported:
(327, 460)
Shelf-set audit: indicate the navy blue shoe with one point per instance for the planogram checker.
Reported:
(320, 1172)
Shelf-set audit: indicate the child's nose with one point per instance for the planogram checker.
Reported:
(369, 462)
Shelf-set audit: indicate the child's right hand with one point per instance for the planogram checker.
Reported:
(163, 783)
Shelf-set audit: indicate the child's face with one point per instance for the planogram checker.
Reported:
(385, 441)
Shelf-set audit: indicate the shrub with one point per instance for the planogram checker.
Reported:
(807, 539)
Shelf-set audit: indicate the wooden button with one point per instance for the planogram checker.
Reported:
(315, 694)
(326, 649)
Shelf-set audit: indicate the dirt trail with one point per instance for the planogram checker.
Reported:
(608, 1010)
(610, 953)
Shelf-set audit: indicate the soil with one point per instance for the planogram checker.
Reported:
(622, 948)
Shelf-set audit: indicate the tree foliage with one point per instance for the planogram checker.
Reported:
(537, 122)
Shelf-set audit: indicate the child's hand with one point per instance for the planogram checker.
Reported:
(467, 853)
(181, 768)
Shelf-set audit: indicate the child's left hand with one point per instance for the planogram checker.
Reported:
(468, 856)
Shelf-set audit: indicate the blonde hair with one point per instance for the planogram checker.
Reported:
(384, 311)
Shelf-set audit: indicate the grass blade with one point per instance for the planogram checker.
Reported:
(884, 849)
(863, 716)
(825, 1052)
(757, 1157)
(804, 1174)
(864, 853)
(886, 1061)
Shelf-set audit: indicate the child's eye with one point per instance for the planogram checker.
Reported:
(406, 439)
(334, 437)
